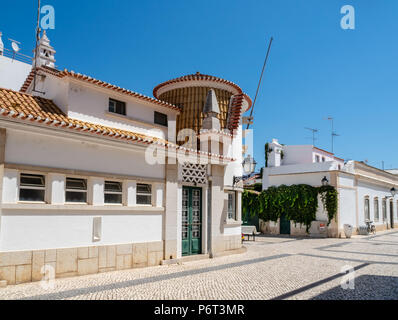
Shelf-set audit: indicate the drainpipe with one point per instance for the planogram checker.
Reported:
(209, 248)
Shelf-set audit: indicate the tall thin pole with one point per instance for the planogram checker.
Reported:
(259, 82)
(333, 134)
(37, 44)
(313, 134)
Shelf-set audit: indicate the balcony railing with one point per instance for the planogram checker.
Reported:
(16, 56)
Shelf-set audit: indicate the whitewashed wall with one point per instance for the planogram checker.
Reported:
(235, 152)
(87, 102)
(13, 73)
(56, 225)
(50, 229)
(57, 152)
(372, 191)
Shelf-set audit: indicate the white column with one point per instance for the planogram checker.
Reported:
(10, 186)
(158, 191)
(96, 191)
(131, 188)
(56, 188)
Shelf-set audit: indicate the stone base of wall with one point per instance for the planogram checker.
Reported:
(316, 230)
(355, 231)
(226, 243)
(27, 266)
(269, 227)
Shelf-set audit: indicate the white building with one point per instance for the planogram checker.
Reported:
(90, 181)
(14, 67)
(364, 191)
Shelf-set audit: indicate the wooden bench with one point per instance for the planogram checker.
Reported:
(249, 231)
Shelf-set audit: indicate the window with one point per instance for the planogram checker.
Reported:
(160, 118)
(317, 158)
(384, 209)
(323, 159)
(144, 194)
(76, 190)
(339, 166)
(31, 187)
(113, 192)
(376, 207)
(367, 212)
(116, 106)
(231, 206)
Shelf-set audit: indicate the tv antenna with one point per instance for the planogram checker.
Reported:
(250, 118)
(313, 134)
(15, 47)
(38, 31)
(333, 133)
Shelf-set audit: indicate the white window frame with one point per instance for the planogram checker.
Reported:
(378, 209)
(32, 187)
(76, 190)
(144, 194)
(234, 213)
(113, 192)
(384, 209)
(366, 214)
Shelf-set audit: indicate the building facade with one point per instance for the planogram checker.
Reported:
(363, 191)
(98, 178)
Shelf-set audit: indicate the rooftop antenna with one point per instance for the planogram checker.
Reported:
(334, 133)
(259, 83)
(15, 47)
(313, 134)
(38, 31)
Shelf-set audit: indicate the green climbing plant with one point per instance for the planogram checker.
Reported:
(329, 198)
(298, 203)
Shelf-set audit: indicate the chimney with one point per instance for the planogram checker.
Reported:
(211, 110)
(274, 157)
(46, 52)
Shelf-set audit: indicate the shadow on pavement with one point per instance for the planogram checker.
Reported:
(367, 287)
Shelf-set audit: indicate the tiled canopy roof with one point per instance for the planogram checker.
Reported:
(202, 77)
(236, 107)
(193, 77)
(25, 107)
(79, 76)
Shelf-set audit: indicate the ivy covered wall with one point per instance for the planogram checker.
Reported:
(298, 202)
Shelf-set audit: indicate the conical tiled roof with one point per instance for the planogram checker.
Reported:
(211, 104)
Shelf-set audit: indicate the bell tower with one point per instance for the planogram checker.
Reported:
(46, 53)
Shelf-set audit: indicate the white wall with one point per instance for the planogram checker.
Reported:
(13, 73)
(26, 226)
(373, 191)
(297, 154)
(91, 105)
(289, 174)
(87, 102)
(235, 152)
(32, 230)
(57, 152)
(347, 207)
(313, 179)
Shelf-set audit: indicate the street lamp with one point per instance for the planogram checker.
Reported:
(325, 181)
(249, 165)
(393, 192)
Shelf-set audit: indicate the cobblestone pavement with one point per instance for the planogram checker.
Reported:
(272, 268)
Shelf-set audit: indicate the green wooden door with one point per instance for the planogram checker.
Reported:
(191, 220)
(284, 225)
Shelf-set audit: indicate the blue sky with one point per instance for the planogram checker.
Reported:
(315, 69)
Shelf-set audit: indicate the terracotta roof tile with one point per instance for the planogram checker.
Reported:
(82, 77)
(32, 108)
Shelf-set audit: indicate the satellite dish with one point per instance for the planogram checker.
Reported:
(15, 46)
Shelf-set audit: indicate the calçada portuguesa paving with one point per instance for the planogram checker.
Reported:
(272, 268)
